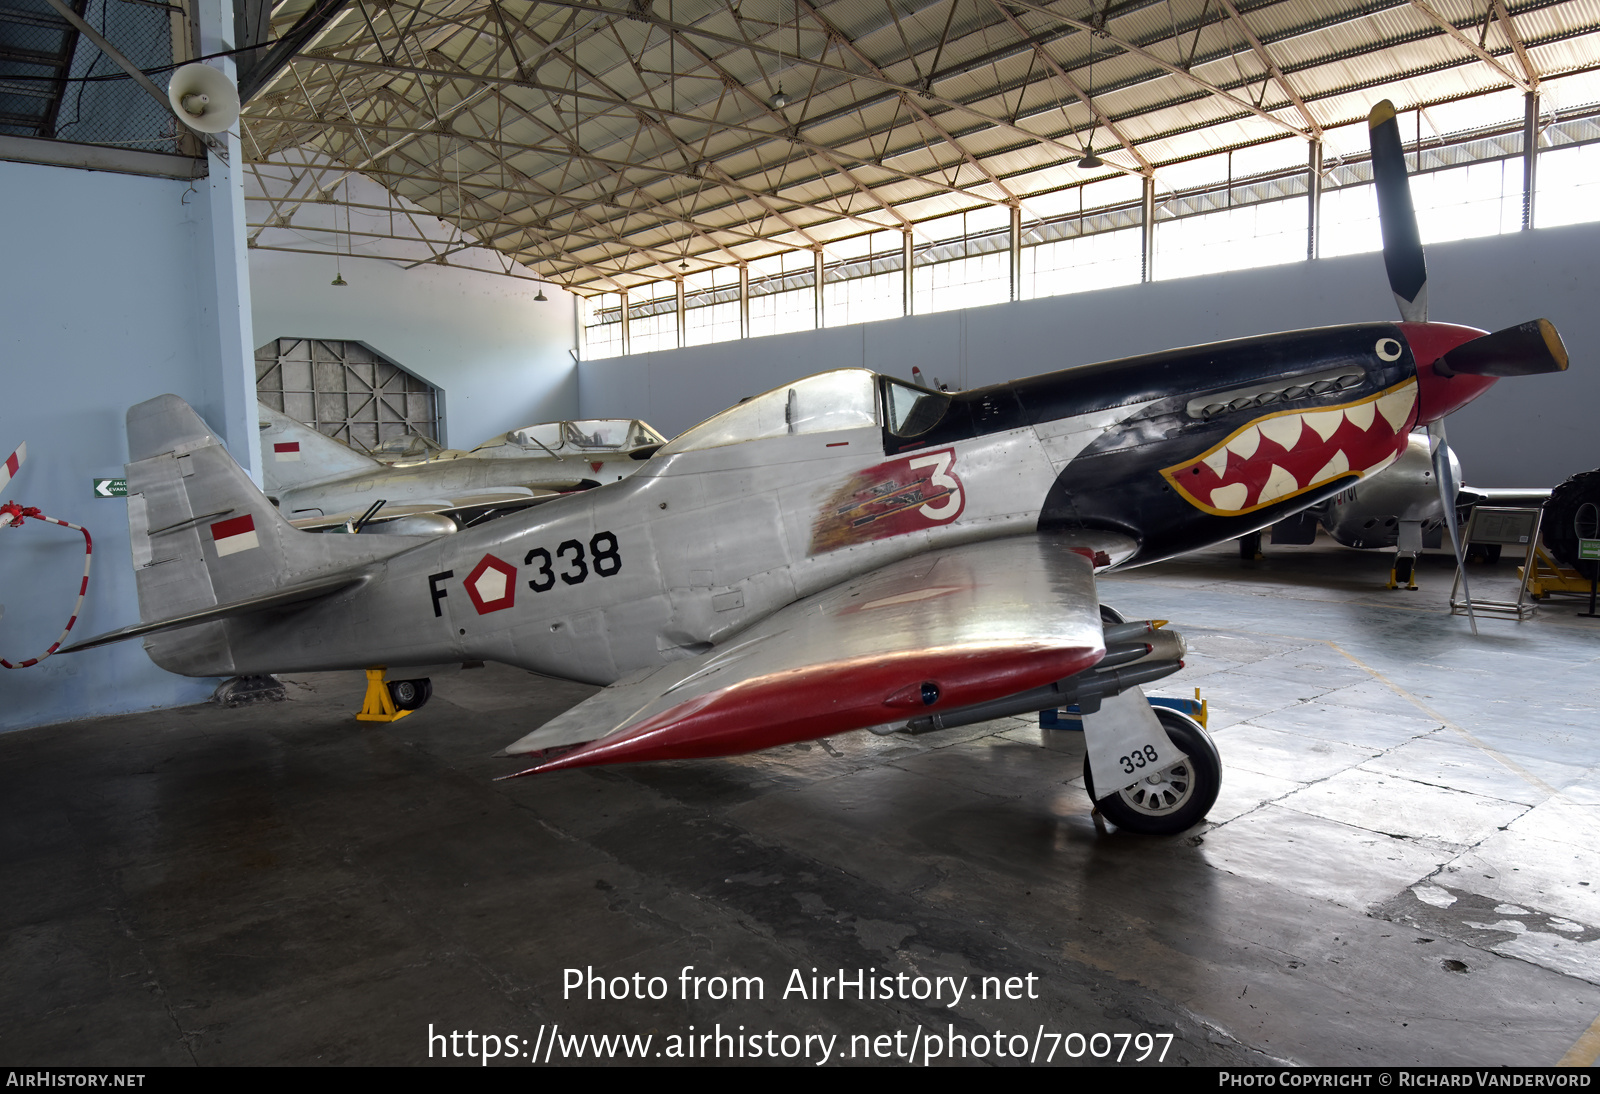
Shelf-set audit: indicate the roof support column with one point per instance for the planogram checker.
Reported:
(1147, 216)
(816, 288)
(226, 335)
(1016, 252)
(681, 312)
(1530, 157)
(905, 273)
(744, 301)
(1314, 202)
(627, 334)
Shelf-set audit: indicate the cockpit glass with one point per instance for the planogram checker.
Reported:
(829, 401)
(911, 411)
(601, 434)
(543, 435)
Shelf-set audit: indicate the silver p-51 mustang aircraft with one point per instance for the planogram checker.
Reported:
(843, 552)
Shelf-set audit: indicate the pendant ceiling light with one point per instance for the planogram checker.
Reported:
(1090, 161)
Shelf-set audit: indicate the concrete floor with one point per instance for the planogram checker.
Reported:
(1404, 865)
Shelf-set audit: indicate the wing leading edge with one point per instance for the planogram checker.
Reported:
(932, 633)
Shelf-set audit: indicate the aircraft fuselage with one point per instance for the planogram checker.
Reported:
(1154, 455)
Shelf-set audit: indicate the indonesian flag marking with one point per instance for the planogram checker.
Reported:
(13, 462)
(286, 452)
(233, 536)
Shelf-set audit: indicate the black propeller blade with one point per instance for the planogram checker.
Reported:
(1402, 246)
(1526, 349)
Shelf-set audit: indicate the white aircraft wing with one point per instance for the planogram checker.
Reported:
(936, 632)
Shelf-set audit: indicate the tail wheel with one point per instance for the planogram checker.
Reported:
(1175, 798)
(410, 694)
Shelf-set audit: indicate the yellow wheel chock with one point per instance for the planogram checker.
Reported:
(378, 706)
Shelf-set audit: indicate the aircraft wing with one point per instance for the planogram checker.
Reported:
(936, 632)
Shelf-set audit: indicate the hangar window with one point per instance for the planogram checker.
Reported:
(711, 306)
(782, 294)
(653, 316)
(346, 391)
(828, 401)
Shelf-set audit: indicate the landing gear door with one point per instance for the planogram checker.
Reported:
(1126, 742)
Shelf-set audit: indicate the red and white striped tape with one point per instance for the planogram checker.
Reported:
(12, 516)
(13, 462)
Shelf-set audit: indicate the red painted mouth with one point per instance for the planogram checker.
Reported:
(1280, 455)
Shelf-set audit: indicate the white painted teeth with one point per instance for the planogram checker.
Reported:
(1359, 415)
(1396, 407)
(1230, 497)
(1279, 484)
(1289, 431)
(1324, 422)
(1284, 430)
(1336, 466)
(1246, 443)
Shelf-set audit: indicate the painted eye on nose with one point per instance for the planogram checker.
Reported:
(1388, 349)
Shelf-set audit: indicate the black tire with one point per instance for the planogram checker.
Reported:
(410, 694)
(1487, 553)
(1250, 546)
(1560, 537)
(1404, 567)
(1186, 792)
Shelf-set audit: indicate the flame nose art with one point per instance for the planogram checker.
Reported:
(1284, 454)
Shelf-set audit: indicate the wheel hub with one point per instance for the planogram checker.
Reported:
(1162, 793)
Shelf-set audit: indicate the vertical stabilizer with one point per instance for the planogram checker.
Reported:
(204, 537)
(295, 455)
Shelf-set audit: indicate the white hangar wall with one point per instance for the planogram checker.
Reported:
(108, 297)
(502, 358)
(1528, 431)
(117, 289)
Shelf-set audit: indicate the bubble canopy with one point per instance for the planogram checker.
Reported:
(845, 398)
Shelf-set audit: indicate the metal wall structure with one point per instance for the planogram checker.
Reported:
(346, 391)
(1493, 144)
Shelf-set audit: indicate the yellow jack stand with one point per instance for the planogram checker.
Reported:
(1411, 580)
(1205, 709)
(1549, 576)
(379, 704)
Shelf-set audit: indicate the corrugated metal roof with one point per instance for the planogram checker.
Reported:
(604, 143)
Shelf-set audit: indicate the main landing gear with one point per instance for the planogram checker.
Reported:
(1175, 798)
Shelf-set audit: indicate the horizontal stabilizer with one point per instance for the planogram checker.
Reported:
(932, 633)
(282, 598)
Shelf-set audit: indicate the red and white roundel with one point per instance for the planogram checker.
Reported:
(492, 585)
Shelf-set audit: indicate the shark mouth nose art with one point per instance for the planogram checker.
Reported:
(1280, 455)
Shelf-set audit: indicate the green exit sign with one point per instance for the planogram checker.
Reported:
(110, 488)
(1589, 548)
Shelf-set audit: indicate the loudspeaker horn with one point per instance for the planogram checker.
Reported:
(203, 98)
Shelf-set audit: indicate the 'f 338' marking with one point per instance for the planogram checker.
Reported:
(890, 499)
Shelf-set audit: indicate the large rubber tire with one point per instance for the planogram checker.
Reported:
(1172, 800)
(410, 694)
(1560, 538)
